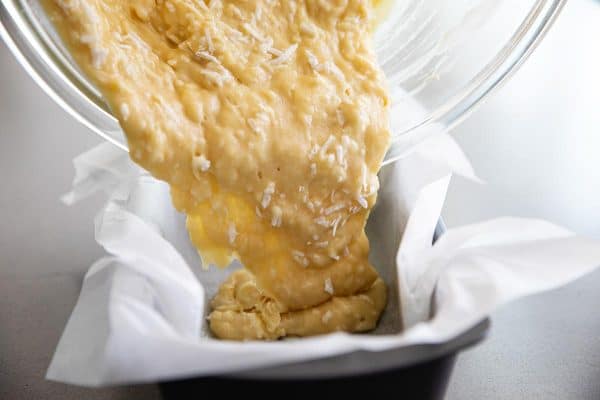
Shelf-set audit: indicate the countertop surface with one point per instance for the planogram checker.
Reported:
(535, 143)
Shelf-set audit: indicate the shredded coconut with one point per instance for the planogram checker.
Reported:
(373, 187)
(255, 126)
(340, 155)
(327, 67)
(362, 201)
(98, 56)
(208, 39)
(326, 317)
(267, 45)
(285, 55)
(203, 55)
(274, 51)
(344, 220)
(334, 70)
(239, 36)
(312, 59)
(236, 11)
(335, 225)
(313, 151)
(349, 143)
(258, 123)
(200, 162)
(341, 120)
(326, 145)
(334, 208)
(276, 217)
(267, 193)
(307, 29)
(232, 233)
(330, 159)
(328, 286)
(250, 30)
(124, 111)
(300, 258)
(212, 4)
(219, 79)
(308, 120)
(322, 221)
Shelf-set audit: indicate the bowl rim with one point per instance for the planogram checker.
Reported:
(31, 45)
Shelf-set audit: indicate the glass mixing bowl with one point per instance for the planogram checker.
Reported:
(446, 55)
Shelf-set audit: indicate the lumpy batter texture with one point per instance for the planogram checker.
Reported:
(269, 119)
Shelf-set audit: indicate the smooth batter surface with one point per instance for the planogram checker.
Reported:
(269, 119)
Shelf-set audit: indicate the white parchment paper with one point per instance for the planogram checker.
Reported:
(141, 312)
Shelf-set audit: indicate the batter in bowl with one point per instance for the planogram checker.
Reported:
(269, 120)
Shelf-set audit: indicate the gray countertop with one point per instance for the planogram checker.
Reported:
(536, 143)
(45, 247)
(538, 155)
